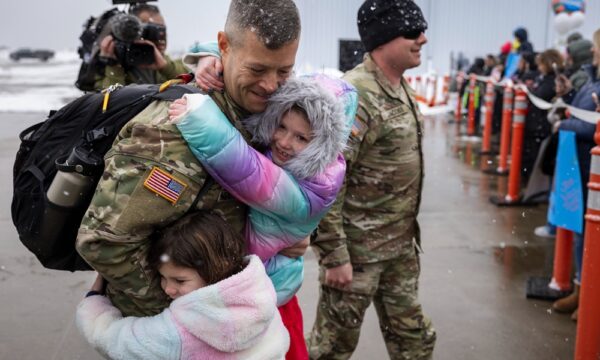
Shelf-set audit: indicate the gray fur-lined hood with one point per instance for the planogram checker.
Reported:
(326, 114)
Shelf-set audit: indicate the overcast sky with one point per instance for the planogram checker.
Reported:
(57, 24)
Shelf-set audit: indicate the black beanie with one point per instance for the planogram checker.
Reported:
(381, 21)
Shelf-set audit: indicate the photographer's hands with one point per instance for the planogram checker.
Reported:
(107, 47)
(107, 50)
(159, 60)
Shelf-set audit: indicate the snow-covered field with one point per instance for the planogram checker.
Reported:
(30, 85)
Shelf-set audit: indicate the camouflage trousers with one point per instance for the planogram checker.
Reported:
(392, 285)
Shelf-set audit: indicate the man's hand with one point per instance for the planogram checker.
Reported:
(339, 277)
(209, 74)
(159, 60)
(297, 249)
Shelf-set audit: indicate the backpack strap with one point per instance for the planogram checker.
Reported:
(174, 92)
(180, 79)
(203, 190)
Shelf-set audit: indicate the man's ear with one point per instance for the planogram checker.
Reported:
(223, 42)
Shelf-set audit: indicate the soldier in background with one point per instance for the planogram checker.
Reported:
(368, 245)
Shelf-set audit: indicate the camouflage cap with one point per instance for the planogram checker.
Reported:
(380, 21)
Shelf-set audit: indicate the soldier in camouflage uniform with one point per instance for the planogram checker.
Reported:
(368, 245)
(128, 205)
(164, 68)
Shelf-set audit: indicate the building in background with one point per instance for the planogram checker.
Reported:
(473, 27)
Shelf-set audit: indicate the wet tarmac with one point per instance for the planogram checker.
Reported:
(477, 259)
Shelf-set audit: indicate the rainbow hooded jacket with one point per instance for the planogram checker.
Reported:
(286, 204)
(235, 318)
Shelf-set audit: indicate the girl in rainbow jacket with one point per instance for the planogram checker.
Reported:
(290, 186)
(224, 305)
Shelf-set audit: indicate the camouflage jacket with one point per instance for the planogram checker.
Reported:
(127, 208)
(376, 210)
(116, 74)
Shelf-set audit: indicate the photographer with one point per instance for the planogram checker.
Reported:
(118, 69)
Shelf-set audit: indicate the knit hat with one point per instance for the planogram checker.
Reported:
(505, 48)
(329, 104)
(521, 34)
(380, 21)
(574, 37)
(581, 52)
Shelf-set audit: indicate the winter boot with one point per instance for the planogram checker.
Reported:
(568, 303)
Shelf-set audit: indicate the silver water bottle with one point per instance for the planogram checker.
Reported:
(68, 194)
(74, 179)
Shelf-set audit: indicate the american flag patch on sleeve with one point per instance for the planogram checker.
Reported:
(163, 184)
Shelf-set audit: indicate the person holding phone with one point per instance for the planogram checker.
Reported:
(579, 53)
(549, 63)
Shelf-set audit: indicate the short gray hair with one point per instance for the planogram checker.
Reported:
(275, 22)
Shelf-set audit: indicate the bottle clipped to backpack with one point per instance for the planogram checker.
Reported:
(71, 188)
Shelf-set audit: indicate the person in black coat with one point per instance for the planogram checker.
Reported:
(537, 127)
(521, 35)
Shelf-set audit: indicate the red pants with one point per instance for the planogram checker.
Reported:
(291, 314)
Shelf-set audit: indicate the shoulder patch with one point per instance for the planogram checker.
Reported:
(165, 185)
(360, 125)
(357, 127)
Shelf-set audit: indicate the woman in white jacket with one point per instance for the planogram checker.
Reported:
(224, 305)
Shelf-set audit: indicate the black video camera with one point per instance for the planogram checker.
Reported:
(126, 29)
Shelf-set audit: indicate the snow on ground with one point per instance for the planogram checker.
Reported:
(30, 85)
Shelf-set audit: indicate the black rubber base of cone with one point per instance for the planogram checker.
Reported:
(537, 288)
(495, 172)
(501, 201)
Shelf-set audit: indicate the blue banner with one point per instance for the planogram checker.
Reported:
(566, 200)
(512, 61)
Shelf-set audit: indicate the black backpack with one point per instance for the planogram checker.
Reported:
(83, 125)
(94, 30)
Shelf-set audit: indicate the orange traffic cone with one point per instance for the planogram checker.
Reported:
(507, 106)
(458, 112)
(587, 345)
(505, 132)
(513, 197)
(445, 90)
(471, 113)
(490, 95)
(560, 284)
(432, 102)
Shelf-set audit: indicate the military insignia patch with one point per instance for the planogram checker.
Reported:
(164, 184)
(357, 127)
